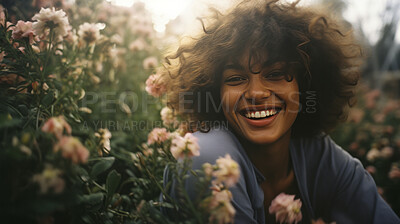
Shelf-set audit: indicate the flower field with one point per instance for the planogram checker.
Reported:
(85, 135)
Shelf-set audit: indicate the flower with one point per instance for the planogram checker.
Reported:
(154, 87)
(167, 116)
(51, 19)
(371, 169)
(286, 209)
(85, 110)
(387, 152)
(373, 154)
(89, 33)
(2, 16)
(56, 126)
(394, 172)
(49, 179)
(104, 135)
(150, 62)
(355, 115)
(185, 146)
(208, 169)
(71, 148)
(370, 98)
(2, 55)
(157, 135)
(23, 30)
(137, 45)
(227, 171)
(221, 208)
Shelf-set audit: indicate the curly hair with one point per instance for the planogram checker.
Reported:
(323, 46)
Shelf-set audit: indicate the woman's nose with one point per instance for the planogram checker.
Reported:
(256, 90)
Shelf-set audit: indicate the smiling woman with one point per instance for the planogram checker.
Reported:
(257, 63)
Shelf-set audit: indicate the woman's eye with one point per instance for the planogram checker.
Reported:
(275, 75)
(234, 80)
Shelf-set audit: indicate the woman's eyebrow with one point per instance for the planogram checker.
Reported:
(272, 63)
(235, 66)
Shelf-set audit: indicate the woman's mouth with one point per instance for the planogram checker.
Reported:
(260, 118)
(260, 114)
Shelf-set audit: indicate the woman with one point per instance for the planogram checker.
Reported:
(280, 76)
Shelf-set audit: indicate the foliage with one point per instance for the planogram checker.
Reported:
(74, 113)
(372, 135)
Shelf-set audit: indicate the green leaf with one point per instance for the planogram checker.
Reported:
(6, 121)
(112, 183)
(48, 99)
(92, 202)
(101, 166)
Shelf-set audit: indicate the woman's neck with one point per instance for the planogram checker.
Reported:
(272, 160)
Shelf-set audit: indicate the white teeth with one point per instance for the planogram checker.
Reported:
(261, 114)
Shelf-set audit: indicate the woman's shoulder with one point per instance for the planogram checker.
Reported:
(320, 149)
(216, 143)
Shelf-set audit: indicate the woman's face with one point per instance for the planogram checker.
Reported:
(260, 107)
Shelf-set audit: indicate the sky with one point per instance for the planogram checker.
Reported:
(370, 12)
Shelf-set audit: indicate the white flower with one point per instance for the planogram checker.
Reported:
(228, 171)
(51, 19)
(89, 33)
(104, 135)
(167, 116)
(49, 179)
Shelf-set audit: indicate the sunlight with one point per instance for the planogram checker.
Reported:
(162, 11)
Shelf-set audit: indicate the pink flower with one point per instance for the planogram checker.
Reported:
(221, 208)
(394, 172)
(286, 209)
(356, 115)
(154, 87)
(371, 169)
(150, 62)
(137, 45)
(23, 30)
(56, 126)
(157, 135)
(227, 171)
(185, 146)
(387, 152)
(49, 179)
(71, 148)
(2, 16)
(2, 55)
(370, 98)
